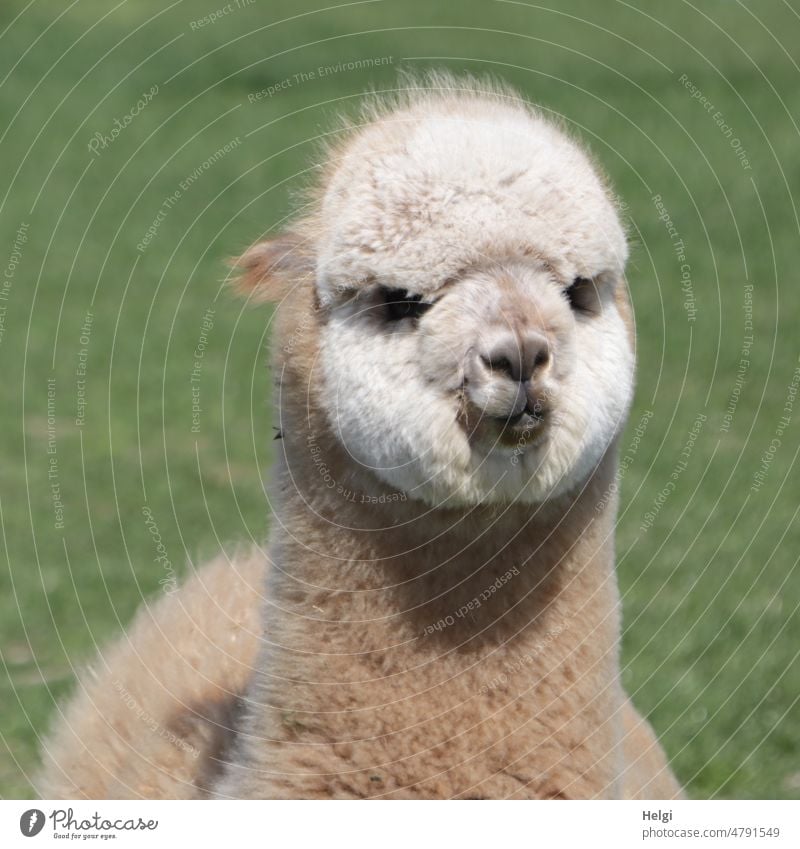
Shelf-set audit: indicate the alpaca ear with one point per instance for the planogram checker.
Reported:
(268, 269)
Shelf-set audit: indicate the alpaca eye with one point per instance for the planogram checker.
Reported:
(582, 295)
(400, 304)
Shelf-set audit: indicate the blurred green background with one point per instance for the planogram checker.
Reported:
(697, 105)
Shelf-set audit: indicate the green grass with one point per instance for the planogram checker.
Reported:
(710, 592)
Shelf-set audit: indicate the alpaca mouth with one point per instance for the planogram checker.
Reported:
(519, 426)
(525, 424)
(531, 414)
(528, 412)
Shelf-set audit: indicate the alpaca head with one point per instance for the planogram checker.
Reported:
(467, 261)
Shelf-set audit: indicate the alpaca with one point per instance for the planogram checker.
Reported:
(437, 615)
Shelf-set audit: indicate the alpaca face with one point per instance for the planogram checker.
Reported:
(468, 265)
(469, 262)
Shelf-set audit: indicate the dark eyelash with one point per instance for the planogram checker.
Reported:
(582, 294)
(400, 304)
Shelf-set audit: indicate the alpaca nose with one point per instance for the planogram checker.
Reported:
(518, 356)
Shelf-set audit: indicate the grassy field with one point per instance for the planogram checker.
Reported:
(113, 243)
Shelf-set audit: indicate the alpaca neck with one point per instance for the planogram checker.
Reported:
(401, 643)
(390, 579)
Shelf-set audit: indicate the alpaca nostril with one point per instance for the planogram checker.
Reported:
(518, 357)
(498, 362)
